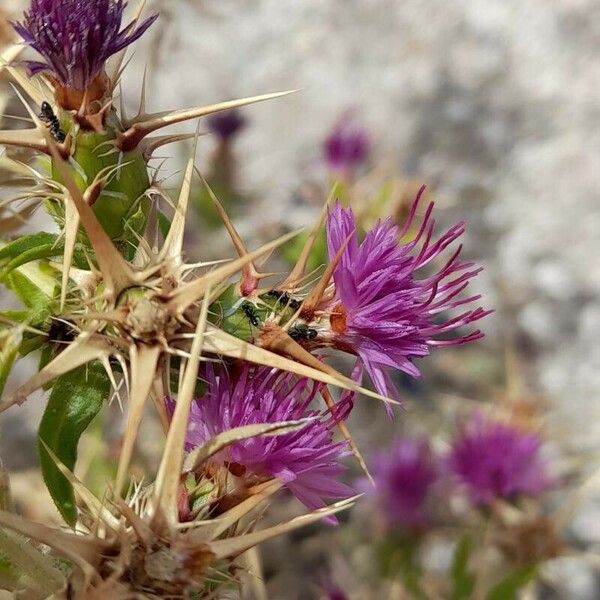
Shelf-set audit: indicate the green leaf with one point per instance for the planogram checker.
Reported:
(46, 355)
(27, 243)
(507, 589)
(462, 581)
(29, 256)
(32, 286)
(31, 343)
(36, 286)
(101, 469)
(10, 340)
(76, 399)
(36, 247)
(15, 316)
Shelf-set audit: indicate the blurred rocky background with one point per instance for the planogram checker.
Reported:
(495, 104)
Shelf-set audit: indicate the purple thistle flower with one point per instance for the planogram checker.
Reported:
(381, 311)
(403, 477)
(347, 147)
(77, 37)
(498, 460)
(307, 461)
(227, 124)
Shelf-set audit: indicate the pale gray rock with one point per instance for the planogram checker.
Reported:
(494, 103)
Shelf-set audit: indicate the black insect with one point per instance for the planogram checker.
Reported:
(302, 333)
(250, 311)
(285, 298)
(61, 331)
(47, 115)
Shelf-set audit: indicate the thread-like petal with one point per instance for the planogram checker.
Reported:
(382, 310)
(77, 37)
(306, 461)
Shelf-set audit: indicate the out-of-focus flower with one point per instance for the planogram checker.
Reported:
(77, 37)
(225, 125)
(382, 312)
(346, 147)
(331, 592)
(306, 461)
(403, 478)
(495, 459)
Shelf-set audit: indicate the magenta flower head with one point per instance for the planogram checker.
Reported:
(498, 460)
(347, 147)
(403, 478)
(77, 37)
(381, 310)
(306, 461)
(227, 124)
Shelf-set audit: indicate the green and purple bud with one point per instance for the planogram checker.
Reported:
(75, 39)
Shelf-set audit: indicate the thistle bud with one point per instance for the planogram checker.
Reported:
(75, 39)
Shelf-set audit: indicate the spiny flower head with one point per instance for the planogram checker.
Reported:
(77, 37)
(496, 459)
(382, 311)
(225, 125)
(307, 461)
(346, 147)
(403, 477)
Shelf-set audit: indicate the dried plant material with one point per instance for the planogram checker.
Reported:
(236, 546)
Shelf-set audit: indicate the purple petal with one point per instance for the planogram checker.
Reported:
(392, 313)
(77, 37)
